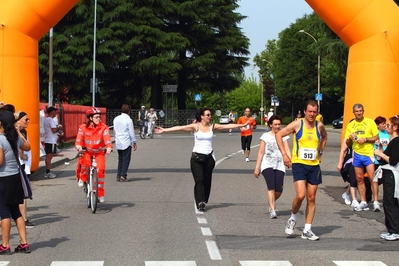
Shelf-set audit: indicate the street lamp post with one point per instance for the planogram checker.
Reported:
(94, 55)
(318, 68)
(275, 91)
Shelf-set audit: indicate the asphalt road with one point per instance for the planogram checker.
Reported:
(152, 220)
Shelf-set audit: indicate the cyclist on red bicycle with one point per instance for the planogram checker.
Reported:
(94, 136)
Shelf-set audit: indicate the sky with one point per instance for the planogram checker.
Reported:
(265, 20)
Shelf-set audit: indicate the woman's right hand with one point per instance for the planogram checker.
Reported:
(256, 172)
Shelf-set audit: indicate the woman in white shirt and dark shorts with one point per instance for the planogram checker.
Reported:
(270, 163)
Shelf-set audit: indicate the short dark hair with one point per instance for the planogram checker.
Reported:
(125, 108)
(272, 118)
(379, 119)
(311, 103)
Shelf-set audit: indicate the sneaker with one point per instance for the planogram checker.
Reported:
(289, 229)
(201, 206)
(309, 235)
(363, 206)
(354, 204)
(5, 250)
(346, 198)
(383, 235)
(29, 224)
(391, 237)
(80, 183)
(273, 214)
(124, 179)
(377, 206)
(274, 209)
(101, 199)
(230, 134)
(49, 175)
(247, 160)
(118, 178)
(22, 248)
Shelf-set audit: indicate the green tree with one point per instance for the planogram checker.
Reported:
(144, 44)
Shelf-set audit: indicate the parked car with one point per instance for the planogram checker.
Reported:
(224, 119)
(337, 123)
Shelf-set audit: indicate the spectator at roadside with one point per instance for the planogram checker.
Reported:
(231, 121)
(390, 177)
(125, 139)
(361, 134)
(50, 139)
(11, 192)
(22, 121)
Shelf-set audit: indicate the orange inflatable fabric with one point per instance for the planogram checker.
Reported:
(22, 24)
(370, 28)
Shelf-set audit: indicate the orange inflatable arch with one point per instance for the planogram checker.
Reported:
(369, 27)
(22, 24)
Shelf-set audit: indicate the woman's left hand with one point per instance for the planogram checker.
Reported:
(256, 173)
(159, 130)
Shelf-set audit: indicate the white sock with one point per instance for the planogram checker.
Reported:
(293, 216)
(307, 227)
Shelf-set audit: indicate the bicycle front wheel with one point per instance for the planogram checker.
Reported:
(142, 134)
(94, 191)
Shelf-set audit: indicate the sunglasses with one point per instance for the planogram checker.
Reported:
(97, 117)
(208, 115)
(27, 119)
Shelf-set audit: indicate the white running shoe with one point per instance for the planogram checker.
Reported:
(363, 206)
(309, 235)
(391, 237)
(101, 199)
(80, 183)
(354, 204)
(273, 214)
(346, 198)
(377, 206)
(49, 175)
(247, 160)
(289, 228)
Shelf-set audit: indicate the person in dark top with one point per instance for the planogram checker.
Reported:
(390, 175)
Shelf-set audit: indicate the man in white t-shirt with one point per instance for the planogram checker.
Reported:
(50, 139)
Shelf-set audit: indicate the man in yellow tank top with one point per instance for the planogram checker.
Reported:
(360, 134)
(309, 140)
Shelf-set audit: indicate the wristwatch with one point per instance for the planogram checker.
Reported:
(321, 152)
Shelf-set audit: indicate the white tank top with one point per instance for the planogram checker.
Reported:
(203, 141)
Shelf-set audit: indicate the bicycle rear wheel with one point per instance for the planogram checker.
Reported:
(94, 191)
(142, 134)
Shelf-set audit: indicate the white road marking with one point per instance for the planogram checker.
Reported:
(358, 263)
(77, 263)
(4, 263)
(170, 263)
(213, 250)
(206, 231)
(265, 263)
(202, 220)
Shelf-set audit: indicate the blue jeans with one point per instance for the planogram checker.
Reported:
(124, 161)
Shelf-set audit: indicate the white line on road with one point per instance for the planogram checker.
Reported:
(213, 250)
(230, 155)
(265, 263)
(170, 263)
(77, 263)
(206, 231)
(359, 263)
(202, 220)
(4, 263)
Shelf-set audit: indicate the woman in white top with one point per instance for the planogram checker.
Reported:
(270, 163)
(152, 118)
(202, 159)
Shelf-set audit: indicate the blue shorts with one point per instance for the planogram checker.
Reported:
(362, 160)
(309, 173)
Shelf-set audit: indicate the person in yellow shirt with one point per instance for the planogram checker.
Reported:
(361, 134)
(309, 140)
(319, 118)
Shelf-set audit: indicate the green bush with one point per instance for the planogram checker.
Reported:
(286, 120)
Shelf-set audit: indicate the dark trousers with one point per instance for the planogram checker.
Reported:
(202, 173)
(390, 203)
(246, 142)
(124, 161)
